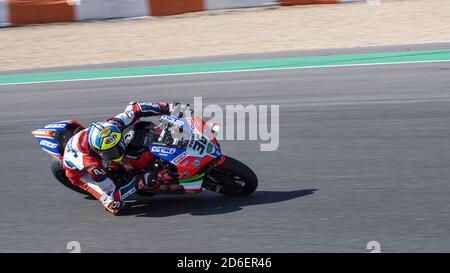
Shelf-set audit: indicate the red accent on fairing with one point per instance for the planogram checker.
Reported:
(205, 128)
(189, 165)
(221, 160)
(75, 122)
(185, 165)
(198, 123)
(190, 191)
(43, 133)
(213, 140)
(141, 162)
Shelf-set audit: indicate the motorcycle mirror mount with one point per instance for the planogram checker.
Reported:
(181, 114)
(215, 129)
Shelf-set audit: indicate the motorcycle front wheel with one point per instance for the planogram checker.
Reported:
(234, 178)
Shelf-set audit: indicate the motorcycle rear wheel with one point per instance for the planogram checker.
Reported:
(234, 178)
(60, 175)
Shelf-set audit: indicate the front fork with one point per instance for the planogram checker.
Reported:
(209, 182)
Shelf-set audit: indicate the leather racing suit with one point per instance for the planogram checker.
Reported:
(85, 169)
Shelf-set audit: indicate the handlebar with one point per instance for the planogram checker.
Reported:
(165, 136)
(187, 107)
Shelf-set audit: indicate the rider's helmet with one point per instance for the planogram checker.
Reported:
(106, 140)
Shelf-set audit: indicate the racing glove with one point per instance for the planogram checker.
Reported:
(146, 180)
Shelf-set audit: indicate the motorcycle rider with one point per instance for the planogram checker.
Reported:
(90, 152)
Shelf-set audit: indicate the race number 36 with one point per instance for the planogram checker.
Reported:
(199, 145)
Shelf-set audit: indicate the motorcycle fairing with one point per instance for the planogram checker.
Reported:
(48, 137)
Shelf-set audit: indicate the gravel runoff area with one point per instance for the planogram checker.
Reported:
(210, 33)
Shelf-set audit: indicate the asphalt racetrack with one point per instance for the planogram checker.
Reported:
(364, 156)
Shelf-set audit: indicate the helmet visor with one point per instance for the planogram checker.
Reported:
(114, 152)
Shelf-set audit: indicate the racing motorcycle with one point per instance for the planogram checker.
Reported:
(186, 156)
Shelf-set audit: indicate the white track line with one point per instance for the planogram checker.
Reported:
(219, 72)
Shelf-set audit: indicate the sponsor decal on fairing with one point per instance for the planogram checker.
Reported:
(48, 144)
(163, 150)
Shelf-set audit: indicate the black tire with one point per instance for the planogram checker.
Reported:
(60, 175)
(230, 175)
(145, 193)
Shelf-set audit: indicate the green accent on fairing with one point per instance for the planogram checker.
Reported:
(194, 178)
(209, 148)
(274, 63)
